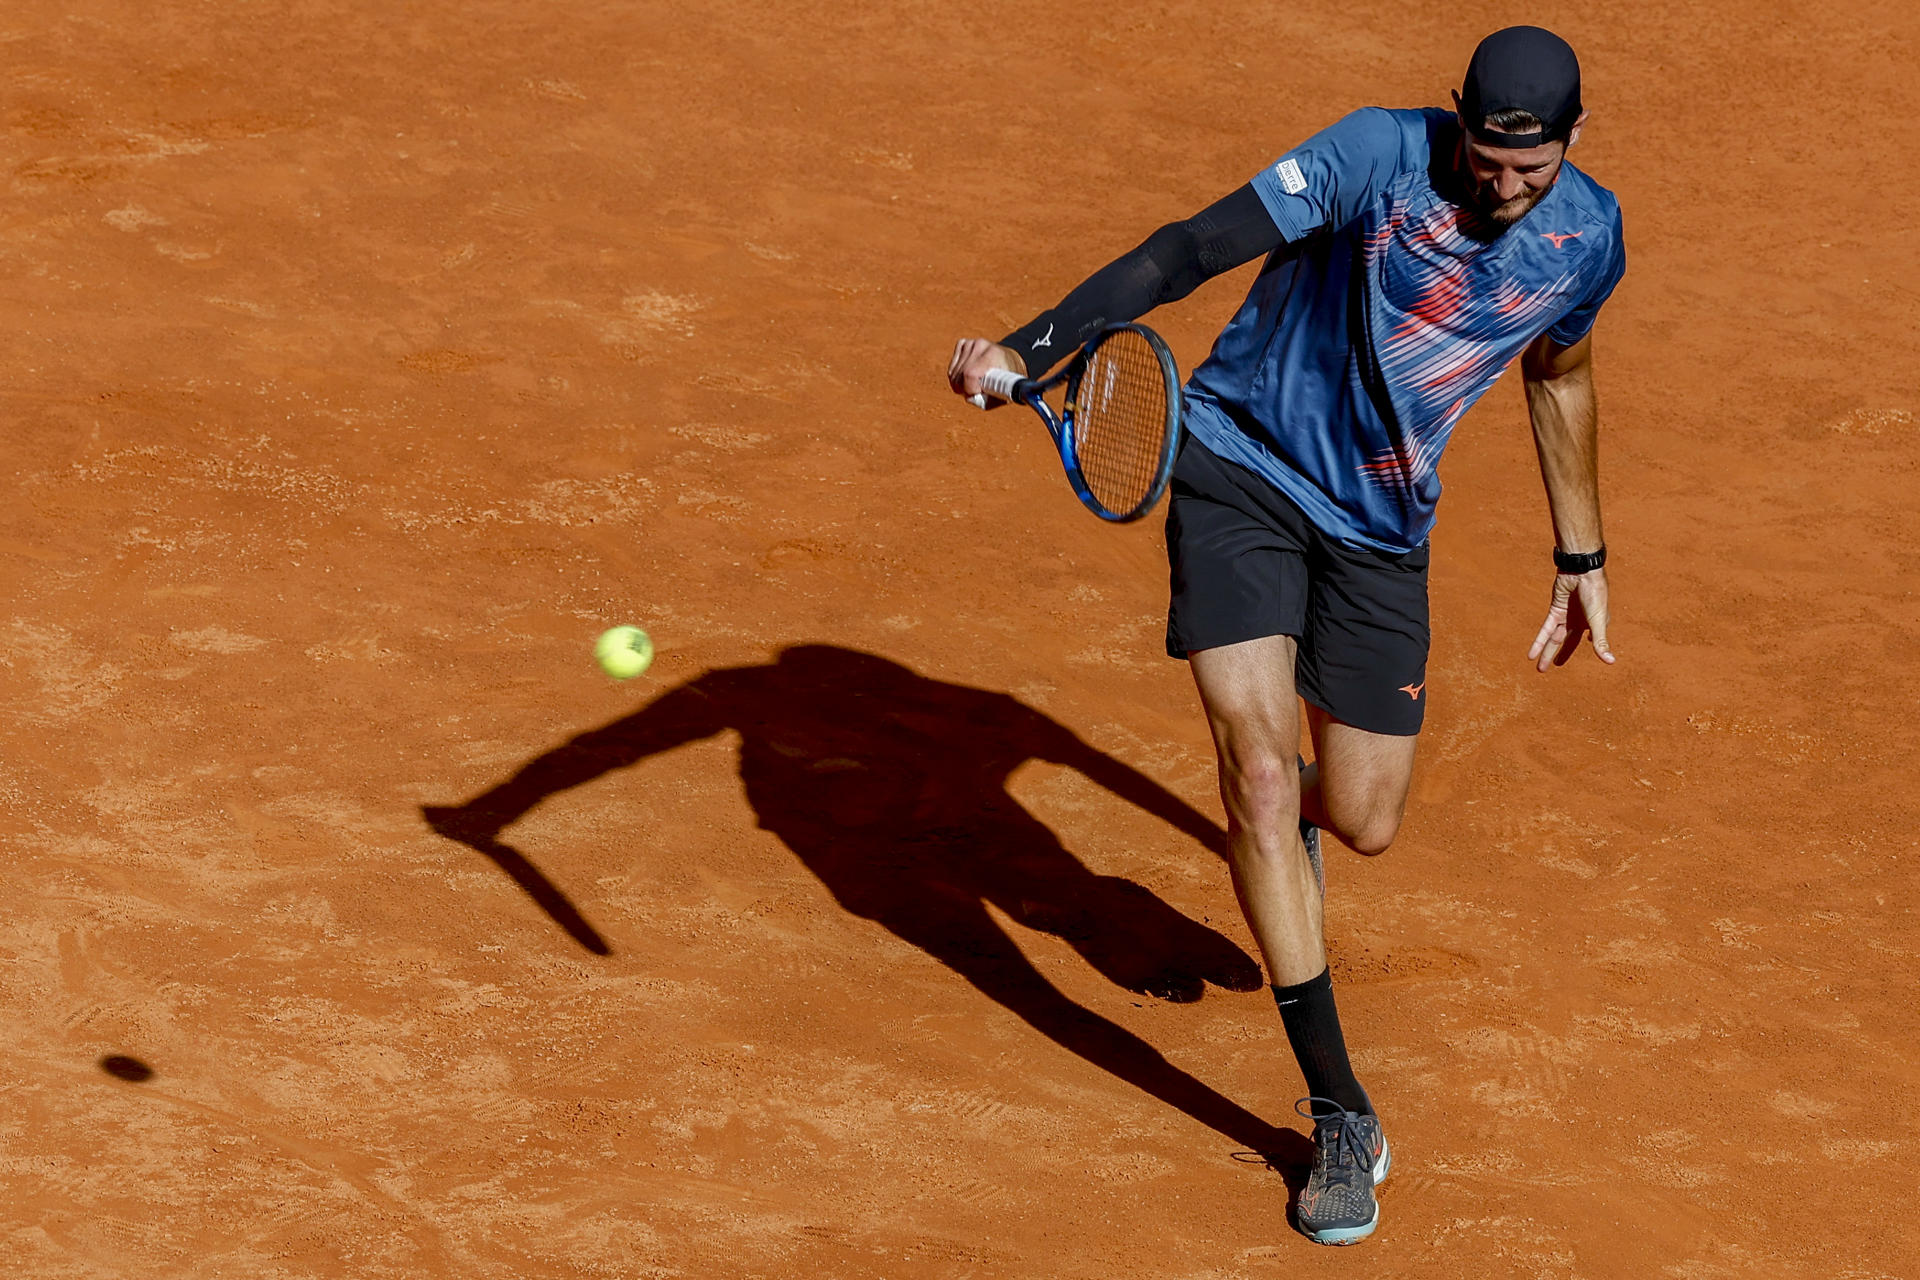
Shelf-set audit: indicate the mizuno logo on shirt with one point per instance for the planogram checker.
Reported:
(1292, 181)
(1560, 240)
(1046, 341)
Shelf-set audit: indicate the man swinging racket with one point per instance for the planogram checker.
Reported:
(1410, 257)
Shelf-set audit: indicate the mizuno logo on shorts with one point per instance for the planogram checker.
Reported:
(1413, 690)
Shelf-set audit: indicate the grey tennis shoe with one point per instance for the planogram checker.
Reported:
(1350, 1159)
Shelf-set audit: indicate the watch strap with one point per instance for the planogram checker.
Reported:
(1579, 562)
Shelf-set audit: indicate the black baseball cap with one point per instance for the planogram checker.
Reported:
(1525, 68)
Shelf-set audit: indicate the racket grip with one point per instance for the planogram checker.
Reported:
(1001, 384)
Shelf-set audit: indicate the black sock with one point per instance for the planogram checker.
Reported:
(1313, 1028)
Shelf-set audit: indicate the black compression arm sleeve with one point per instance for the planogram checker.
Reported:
(1167, 266)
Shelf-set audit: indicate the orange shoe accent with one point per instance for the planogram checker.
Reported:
(1413, 690)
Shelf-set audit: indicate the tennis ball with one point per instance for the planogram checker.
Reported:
(623, 652)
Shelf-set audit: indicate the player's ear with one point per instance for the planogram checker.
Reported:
(1573, 134)
(1460, 112)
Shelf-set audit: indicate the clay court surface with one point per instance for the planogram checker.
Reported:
(364, 361)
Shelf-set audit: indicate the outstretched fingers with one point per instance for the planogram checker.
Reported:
(1552, 636)
(1579, 609)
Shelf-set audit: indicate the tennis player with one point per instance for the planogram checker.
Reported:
(1410, 257)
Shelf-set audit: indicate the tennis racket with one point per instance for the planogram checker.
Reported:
(1119, 425)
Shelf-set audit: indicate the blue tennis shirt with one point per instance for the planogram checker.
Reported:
(1360, 347)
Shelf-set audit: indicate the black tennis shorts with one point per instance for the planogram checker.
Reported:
(1247, 563)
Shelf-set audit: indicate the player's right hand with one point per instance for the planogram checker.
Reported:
(972, 357)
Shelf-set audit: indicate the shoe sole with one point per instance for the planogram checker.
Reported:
(1310, 837)
(1354, 1235)
(1310, 840)
(1346, 1235)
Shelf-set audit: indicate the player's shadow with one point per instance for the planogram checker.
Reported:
(891, 788)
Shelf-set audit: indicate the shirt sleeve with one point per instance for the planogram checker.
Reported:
(1327, 181)
(1577, 322)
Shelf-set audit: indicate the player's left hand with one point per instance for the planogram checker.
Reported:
(1579, 607)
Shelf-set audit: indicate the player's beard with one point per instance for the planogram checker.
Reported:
(1505, 215)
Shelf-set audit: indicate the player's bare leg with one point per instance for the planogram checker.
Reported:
(1248, 691)
(1254, 713)
(1357, 784)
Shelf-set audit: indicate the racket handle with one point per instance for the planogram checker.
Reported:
(1001, 384)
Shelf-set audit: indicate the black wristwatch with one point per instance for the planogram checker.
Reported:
(1583, 562)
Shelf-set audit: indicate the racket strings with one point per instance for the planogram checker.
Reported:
(1121, 421)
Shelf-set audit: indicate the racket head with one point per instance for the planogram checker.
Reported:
(1120, 427)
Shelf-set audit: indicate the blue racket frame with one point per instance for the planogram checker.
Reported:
(1032, 394)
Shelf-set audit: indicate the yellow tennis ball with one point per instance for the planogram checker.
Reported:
(623, 652)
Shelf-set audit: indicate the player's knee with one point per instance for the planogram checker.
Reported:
(1374, 833)
(1263, 785)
